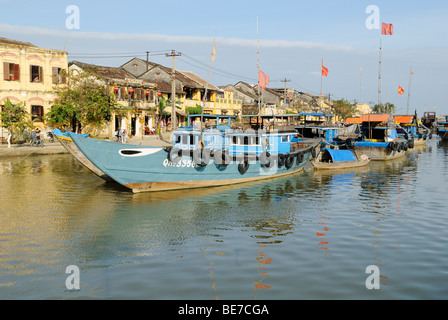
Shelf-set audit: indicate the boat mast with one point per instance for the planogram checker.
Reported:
(206, 86)
(379, 76)
(258, 76)
(409, 91)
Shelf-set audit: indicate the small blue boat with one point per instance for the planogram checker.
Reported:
(235, 157)
(332, 159)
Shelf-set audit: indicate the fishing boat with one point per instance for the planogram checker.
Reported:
(65, 139)
(442, 128)
(192, 163)
(419, 134)
(379, 138)
(334, 159)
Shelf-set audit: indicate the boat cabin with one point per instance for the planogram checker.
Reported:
(378, 128)
(253, 143)
(218, 122)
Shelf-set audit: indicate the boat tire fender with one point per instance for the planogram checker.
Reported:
(405, 146)
(221, 157)
(289, 161)
(201, 157)
(281, 160)
(300, 158)
(313, 152)
(265, 159)
(175, 155)
(244, 165)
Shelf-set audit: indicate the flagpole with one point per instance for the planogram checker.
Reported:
(321, 77)
(409, 92)
(206, 84)
(258, 76)
(379, 75)
(360, 84)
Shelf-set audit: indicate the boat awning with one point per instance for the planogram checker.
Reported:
(375, 117)
(404, 119)
(340, 155)
(353, 120)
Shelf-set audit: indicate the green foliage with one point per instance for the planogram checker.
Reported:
(194, 110)
(343, 108)
(84, 100)
(381, 108)
(15, 118)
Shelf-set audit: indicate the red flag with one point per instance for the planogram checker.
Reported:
(324, 70)
(400, 90)
(263, 79)
(387, 29)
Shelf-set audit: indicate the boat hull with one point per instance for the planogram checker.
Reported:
(339, 165)
(379, 153)
(148, 169)
(71, 147)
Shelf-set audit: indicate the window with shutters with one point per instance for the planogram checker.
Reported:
(37, 113)
(58, 75)
(11, 71)
(36, 74)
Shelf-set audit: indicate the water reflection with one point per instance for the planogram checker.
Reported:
(55, 213)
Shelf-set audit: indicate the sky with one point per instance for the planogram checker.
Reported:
(288, 39)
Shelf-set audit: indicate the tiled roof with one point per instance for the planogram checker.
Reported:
(107, 72)
(15, 42)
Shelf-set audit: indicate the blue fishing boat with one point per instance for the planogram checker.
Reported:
(198, 159)
(66, 140)
(442, 128)
(379, 138)
(419, 134)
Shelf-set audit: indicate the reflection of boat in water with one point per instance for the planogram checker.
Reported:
(336, 159)
(65, 139)
(198, 160)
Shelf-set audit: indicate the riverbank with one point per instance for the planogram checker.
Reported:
(56, 148)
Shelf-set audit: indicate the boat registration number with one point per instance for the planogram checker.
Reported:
(181, 164)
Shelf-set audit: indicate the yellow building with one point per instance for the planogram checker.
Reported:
(227, 104)
(29, 74)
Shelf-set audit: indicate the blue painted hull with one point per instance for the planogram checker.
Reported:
(142, 168)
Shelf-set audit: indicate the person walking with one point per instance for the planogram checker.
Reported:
(39, 139)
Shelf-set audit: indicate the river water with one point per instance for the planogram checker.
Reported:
(311, 235)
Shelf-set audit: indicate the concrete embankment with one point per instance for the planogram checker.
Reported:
(57, 148)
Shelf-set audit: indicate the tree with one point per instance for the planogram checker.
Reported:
(194, 110)
(15, 119)
(381, 108)
(343, 108)
(84, 101)
(160, 112)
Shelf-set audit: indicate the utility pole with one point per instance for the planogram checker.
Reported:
(147, 60)
(285, 88)
(173, 54)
